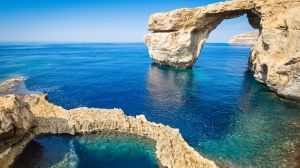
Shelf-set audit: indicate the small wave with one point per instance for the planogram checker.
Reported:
(70, 159)
(9, 85)
(14, 85)
(47, 89)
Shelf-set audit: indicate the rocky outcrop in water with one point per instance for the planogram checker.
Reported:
(244, 39)
(178, 36)
(11, 85)
(43, 117)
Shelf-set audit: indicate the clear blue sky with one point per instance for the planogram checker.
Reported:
(94, 20)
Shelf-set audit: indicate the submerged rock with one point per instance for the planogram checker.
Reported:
(178, 36)
(43, 117)
(244, 39)
(11, 85)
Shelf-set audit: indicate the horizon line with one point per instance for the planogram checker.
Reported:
(79, 42)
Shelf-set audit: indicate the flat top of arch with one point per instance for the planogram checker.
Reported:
(198, 17)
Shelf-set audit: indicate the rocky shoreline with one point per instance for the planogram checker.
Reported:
(26, 116)
(244, 39)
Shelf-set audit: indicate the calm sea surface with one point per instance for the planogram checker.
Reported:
(218, 106)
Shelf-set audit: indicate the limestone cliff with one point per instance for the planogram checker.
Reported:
(15, 121)
(244, 39)
(178, 36)
(32, 114)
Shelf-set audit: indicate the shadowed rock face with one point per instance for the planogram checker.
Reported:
(178, 36)
(15, 121)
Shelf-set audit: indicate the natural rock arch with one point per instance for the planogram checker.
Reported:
(178, 36)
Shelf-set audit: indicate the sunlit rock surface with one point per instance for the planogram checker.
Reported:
(43, 117)
(15, 121)
(244, 39)
(178, 36)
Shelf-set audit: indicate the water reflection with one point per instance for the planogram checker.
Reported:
(180, 95)
(168, 87)
(249, 127)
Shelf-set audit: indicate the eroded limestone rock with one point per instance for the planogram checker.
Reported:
(178, 36)
(15, 121)
(275, 58)
(179, 49)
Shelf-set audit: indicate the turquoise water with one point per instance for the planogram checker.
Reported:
(218, 106)
(97, 150)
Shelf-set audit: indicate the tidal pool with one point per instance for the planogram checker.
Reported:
(112, 150)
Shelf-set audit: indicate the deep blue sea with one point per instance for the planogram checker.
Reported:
(220, 109)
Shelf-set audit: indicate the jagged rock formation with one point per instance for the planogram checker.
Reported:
(244, 39)
(178, 36)
(43, 117)
(15, 121)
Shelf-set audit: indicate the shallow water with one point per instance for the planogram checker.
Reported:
(218, 106)
(97, 150)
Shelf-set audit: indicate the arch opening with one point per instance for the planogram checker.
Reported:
(228, 28)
